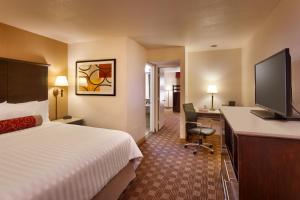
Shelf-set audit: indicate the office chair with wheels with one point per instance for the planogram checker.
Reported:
(195, 128)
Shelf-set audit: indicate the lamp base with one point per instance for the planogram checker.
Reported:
(212, 103)
(55, 94)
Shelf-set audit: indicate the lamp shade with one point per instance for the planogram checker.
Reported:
(212, 89)
(83, 82)
(61, 81)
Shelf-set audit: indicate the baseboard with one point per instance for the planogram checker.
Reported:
(182, 140)
(148, 134)
(141, 141)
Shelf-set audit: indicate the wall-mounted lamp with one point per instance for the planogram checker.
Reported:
(60, 81)
(212, 89)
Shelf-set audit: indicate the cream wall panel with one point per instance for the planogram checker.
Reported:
(136, 118)
(100, 111)
(126, 110)
(281, 30)
(221, 68)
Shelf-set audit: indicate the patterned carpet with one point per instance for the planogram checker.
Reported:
(169, 171)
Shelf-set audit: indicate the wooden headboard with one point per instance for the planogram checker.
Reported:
(22, 81)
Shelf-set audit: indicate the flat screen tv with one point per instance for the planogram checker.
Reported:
(273, 90)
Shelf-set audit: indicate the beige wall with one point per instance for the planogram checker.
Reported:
(125, 111)
(22, 45)
(171, 54)
(136, 61)
(221, 68)
(280, 31)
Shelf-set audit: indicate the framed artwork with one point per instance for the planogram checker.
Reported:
(96, 77)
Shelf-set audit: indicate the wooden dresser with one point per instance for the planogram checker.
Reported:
(260, 158)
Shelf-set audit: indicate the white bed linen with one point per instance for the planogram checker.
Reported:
(61, 162)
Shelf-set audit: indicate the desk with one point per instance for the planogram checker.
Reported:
(261, 158)
(213, 114)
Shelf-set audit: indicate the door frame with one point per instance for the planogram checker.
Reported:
(155, 84)
(156, 90)
(160, 119)
(154, 97)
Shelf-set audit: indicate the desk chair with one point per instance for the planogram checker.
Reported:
(195, 128)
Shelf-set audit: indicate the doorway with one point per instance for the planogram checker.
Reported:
(162, 93)
(169, 92)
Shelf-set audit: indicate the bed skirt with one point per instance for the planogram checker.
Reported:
(117, 184)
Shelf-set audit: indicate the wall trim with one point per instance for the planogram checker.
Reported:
(141, 141)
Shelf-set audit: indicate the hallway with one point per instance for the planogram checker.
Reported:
(169, 171)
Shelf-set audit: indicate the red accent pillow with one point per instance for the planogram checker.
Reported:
(20, 123)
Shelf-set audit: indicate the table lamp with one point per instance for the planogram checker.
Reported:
(60, 81)
(212, 89)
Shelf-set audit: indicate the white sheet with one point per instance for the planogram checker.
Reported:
(61, 162)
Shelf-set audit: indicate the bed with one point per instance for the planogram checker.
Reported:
(54, 160)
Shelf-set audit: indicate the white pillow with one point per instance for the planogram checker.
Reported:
(42, 109)
(11, 110)
(15, 110)
(2, 106)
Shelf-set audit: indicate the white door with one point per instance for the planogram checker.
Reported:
(162, 99)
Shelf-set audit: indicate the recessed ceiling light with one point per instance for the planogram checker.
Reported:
(214, 45)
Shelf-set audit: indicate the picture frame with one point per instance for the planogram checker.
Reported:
(95, 77)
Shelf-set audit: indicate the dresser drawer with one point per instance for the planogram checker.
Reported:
(229, 180)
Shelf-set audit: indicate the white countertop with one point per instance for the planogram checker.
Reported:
(245, 123)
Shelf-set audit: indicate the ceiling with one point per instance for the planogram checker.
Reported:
(196, 24)
(166, 64)
(170, 69)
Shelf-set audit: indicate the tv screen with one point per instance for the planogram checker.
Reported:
(273, 83)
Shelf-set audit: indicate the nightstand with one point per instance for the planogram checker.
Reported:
(73, 120)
